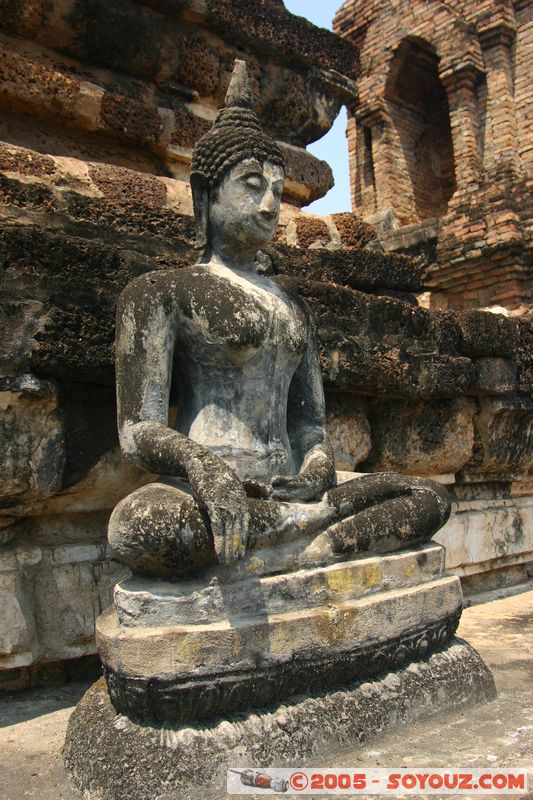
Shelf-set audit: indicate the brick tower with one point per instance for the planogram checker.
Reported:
(441, 141)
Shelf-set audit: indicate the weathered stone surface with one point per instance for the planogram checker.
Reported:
(354, 232)
(485, 535)
(357, 269)
(25, 162)
(187, 61)
(311, 230)
(28, 84)
(307, 178)
(23, 18)
(141, 601)
(496, 376)
(50, 447)
(347, 430)
(266, 28)
(160, 126)
(191, 762)
(16, 623)
(32, 434)
(524, 355)
(99, 488)
(485, 334)
(421, 438)
(51, 595)
(333, 232)
(130, 119)
(505, 430)
(69, 297)
(381, 345)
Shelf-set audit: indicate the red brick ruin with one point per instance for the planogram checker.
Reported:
(440, 141)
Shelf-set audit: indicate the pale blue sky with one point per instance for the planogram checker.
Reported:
(332, 147)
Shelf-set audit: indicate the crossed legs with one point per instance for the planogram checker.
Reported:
(159, 529)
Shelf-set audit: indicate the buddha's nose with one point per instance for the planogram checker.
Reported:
(269, 205)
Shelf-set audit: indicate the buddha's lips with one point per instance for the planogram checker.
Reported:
(265, 224)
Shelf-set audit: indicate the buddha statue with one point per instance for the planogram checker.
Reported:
(245, 464)
(263, 591)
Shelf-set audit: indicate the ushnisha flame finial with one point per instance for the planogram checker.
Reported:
(239, 92)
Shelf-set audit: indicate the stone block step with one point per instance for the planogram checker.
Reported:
(141, 601)
(264, 640)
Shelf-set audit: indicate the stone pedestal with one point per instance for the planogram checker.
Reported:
(111, 758)
(264, 664)
(199, 649)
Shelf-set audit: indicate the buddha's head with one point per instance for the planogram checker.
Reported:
(237, 175)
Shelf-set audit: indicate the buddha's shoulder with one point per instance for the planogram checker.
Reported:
(165, 286)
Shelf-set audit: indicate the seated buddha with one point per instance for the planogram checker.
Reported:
(245, 463)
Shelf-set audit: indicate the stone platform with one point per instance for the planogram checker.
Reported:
(199, 649)
(108, 757)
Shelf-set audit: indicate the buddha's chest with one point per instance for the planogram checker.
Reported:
(240, 316)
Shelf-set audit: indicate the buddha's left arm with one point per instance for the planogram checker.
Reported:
(306, 418)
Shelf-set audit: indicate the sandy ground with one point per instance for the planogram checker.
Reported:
(499, 734)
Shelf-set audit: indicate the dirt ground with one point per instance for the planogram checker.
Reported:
(496, 735)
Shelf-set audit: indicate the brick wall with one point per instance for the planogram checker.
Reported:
(451, 139)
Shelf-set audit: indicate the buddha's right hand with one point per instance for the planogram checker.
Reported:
(221, 496)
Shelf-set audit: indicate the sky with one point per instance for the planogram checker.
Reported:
(332, 147)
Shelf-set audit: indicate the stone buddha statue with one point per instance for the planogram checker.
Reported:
(263, 593)
(245, 464)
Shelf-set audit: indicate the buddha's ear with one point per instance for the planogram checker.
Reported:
(200, 202)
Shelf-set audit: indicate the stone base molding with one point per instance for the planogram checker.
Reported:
(108, 757)
(214, 646)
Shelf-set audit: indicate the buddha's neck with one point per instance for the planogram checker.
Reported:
(239, 261)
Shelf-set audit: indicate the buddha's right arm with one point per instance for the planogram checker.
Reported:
(147, 321)
(217, 490)
(160, 449)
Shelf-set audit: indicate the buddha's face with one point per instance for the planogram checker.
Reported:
(244, 209)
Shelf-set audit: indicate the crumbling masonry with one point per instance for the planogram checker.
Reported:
(441, 141)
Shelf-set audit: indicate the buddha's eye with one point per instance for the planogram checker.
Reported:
(254, 180)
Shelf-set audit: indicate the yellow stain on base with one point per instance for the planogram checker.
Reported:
(342, 581)
(190, 650)
(235, 648)
(255, 565)
(331, 624)
(409, 569)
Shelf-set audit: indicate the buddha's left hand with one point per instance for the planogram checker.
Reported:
(316, 475)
